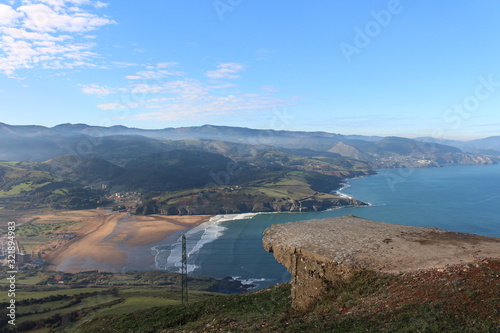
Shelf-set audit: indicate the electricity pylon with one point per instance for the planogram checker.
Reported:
(184, 272)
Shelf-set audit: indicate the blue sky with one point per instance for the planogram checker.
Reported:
(406, 68)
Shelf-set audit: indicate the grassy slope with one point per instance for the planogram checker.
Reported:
(68, 306)
(291, 186)
(15, 180)
(458, 299)
(463, 299)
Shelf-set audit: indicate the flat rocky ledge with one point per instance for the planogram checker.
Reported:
(355, 243)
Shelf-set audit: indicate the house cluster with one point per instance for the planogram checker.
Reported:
(230, 188)
(22, 259)
(66, 235)
(99, 186)
(120, 196)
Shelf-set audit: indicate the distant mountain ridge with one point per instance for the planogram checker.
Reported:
(489, 143)
(228, 133)
(215, 132)
(38, 143)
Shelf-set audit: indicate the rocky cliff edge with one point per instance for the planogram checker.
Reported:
(319, 252)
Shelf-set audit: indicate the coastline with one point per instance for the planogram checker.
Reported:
(344, 184)
(118, 242)
(193, 262)
(168, 257)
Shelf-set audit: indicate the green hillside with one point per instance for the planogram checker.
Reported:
(460, 301)
(275, 191)
(15, 180)
(181, 177)
(23, 187)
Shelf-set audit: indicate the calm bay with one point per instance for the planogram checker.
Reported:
(458, 198)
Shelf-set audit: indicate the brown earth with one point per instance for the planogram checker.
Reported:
(108, 241)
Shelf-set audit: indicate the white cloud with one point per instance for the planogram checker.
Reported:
(226, 70)
(111, 106)
(40, 17)
(163, 100)
(124, 64)
(48, 34)
(208, 106)
(62, 3)
(33, 36)
(166, 64)
(155, 72)
(95, 89)
(8, 15)
(100, 4)
(145, 89)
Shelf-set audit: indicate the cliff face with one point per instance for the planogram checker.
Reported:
(319, 252)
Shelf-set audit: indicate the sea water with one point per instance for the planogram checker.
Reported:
(461, 198)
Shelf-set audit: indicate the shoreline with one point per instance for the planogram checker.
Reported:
(210, 231)
(118, 242)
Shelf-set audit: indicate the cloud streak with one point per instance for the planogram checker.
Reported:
(159, 93)
(49, 34)
(226, 70)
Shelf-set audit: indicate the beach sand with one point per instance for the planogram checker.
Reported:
(116, 242)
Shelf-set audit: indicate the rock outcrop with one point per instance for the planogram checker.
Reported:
(319, 252)
(349, 151)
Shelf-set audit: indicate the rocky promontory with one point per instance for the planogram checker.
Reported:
(318, 253)
(235, 203)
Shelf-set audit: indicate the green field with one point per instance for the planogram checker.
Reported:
(43, 303)
(24, 295)
(365, 302)
(40, 229)
(133, 303)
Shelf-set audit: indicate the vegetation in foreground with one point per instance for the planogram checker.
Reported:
(61, 302)
(458, 299)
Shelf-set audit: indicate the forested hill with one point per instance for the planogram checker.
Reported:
(38, 143)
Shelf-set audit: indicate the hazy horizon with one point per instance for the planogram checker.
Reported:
(244, 127)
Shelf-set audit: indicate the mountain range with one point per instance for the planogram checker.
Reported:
(207, 169)
(38, 143)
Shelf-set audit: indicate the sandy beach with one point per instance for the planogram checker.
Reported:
(115, 242)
